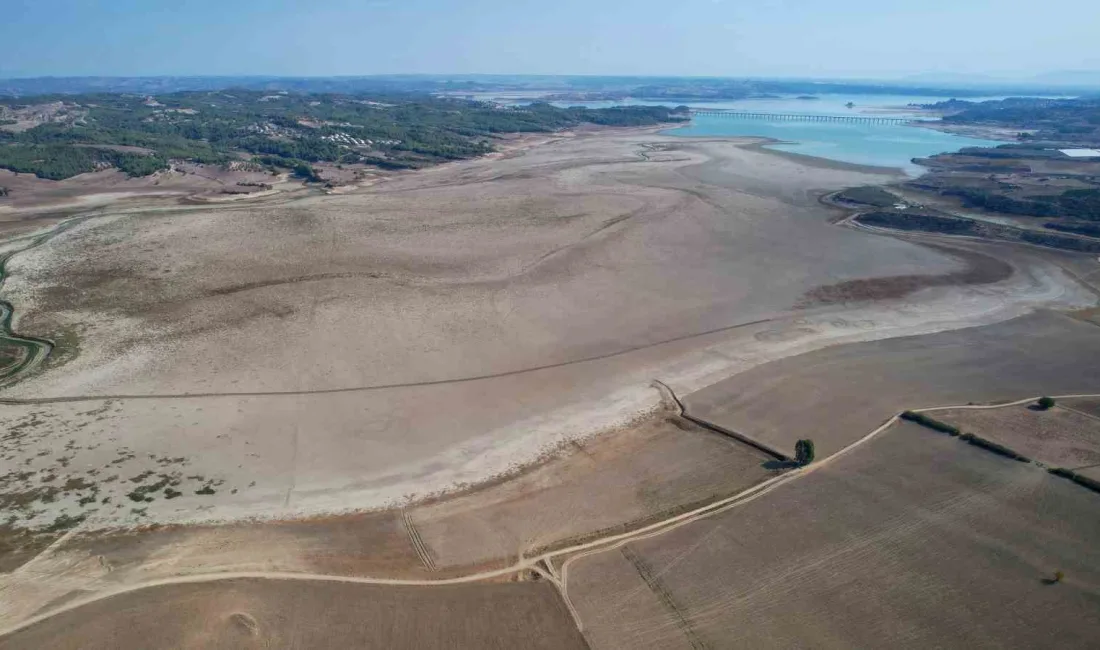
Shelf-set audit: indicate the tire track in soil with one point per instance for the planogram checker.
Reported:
(664, 595)
(417, 543)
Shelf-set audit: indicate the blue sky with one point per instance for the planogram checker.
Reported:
(804, 38)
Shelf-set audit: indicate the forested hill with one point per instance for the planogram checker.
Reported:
(57, 137)
(1075, 121)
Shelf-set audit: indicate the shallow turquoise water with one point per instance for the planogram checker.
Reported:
(888, 145)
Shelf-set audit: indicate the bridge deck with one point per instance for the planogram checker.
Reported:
(792, 117)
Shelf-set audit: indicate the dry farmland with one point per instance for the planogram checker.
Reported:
(837, 394)
(913, 540)
(312, 614)
(1058, 437)
(603, 486)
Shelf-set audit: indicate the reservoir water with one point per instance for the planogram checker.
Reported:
(887, 145)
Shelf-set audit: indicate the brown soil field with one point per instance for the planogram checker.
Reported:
(1087, 405)
(617, 481)
(1057, 437)
(838, 394)
(375, 545)
(312, 614)
(608, 484)
(437, 329)
(913, 540)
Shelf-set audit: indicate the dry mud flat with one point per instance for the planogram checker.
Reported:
(439, 328)
(837, 394)
(912, 540)
(312, 614)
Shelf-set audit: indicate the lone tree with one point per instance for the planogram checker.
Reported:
(1045, 402)
(804, 452)
(1058, 576)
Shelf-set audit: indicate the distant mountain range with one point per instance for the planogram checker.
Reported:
(1080, 80)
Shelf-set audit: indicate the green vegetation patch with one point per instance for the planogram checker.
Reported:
(1061, 120)
(869, 195)
(66, 346)
(1081, 204)
(58, 161)
(287, 130)
(1087, 229)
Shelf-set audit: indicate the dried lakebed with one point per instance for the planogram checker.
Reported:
(349, 352)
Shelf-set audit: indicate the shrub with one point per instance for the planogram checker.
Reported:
(1045, 403)
(804, 452)
(139, 496)
(306, 172)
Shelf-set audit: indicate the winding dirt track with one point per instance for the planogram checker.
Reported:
(541, 564)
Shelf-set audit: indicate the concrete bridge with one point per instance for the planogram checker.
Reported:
(790, 117)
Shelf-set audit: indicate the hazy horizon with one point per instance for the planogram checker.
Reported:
(702, 38)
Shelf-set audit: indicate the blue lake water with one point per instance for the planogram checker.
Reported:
(887, 145)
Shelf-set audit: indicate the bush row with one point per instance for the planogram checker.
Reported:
(1083, 481)
(944, 427)
(993, 447)
(931, 423)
